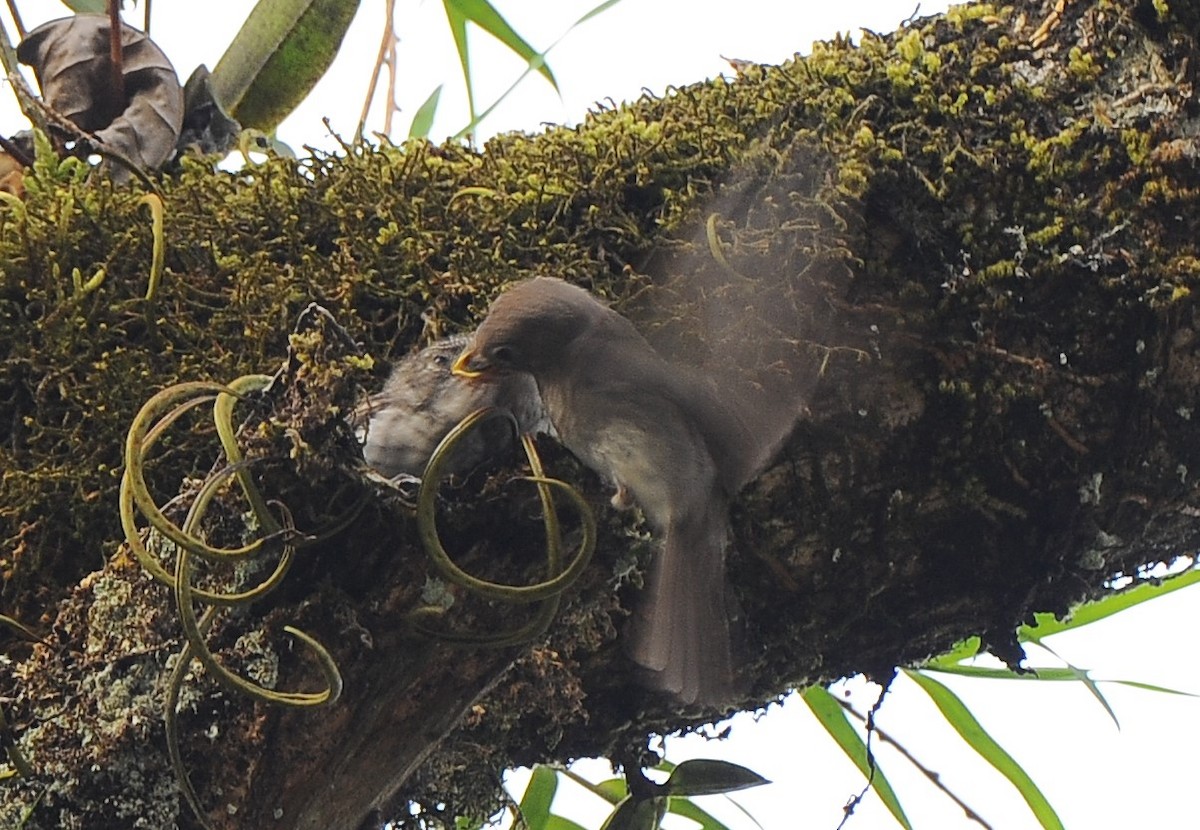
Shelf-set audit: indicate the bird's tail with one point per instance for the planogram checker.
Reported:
(681, 630)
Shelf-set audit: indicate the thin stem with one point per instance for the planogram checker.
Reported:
(386, 56)
(16, 16)
(116, 58)
(933, 776)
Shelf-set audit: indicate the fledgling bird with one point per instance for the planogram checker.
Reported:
(666, 440)
(422, 401)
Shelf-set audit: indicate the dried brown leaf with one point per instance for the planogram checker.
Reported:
(70, 58)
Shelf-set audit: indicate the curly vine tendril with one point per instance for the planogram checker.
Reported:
(159, 413)
(547, 593)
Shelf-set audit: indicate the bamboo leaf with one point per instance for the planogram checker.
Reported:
(484, 15)
(603, 7)
(829, 714)
(1083, 677)
(971, 731)
(1046, 624)
(423, 118)
(477, 117)
(457, 22)
(1044, 674)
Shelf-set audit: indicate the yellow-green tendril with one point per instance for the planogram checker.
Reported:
(152, 566)
(715, 248)
(547, 592)
(159, 413)
(149, 562)
(158, 252)
(141, 438)
(171, 720)
(427, 523)
(223, 417)
(185, 596)
(135, 446)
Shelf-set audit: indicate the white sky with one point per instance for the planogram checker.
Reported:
(1095, 775)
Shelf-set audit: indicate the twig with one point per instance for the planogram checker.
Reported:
(385, 57)
(45, 116)
(16, 16)
(392, 108)
(116, 58)
(934, 777)
(869, 720)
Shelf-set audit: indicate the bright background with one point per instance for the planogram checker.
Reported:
(1096, 775)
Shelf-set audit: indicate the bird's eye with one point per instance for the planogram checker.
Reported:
(441, 360)
(504, 355)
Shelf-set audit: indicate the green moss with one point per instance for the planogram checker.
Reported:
(1044, 236)
(997, 270)
(959, 16)
(1137, 145)
(1082, 64)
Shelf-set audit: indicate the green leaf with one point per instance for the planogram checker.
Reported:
(830, 714)
(476, 118)
(1083, 677)
(603, 7)
(970, 730)
(423, 119)
(86, 6)
(554, 822)
(1044, 674)
(708, 776)
(484, 15)
(457, 22)
(688, 809)
(1152, 688)
(613, 790)
(1002, 673)
(637, 814)
(1045, 624)
(277, 57)
(535, 803)
(964, 650)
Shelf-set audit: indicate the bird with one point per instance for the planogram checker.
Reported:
(669, 444)
(422, 400)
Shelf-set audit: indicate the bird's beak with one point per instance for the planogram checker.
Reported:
(461, 366)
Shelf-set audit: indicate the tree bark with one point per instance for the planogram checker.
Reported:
(951, 269)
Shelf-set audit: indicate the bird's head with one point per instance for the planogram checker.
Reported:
(528, 328)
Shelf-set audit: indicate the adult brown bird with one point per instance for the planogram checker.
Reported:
(422, 401)
(667, 442)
